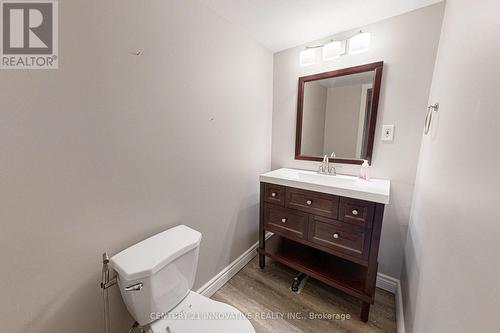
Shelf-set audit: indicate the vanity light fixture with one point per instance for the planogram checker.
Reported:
(333, 50)
(307, 57)
(359, 43)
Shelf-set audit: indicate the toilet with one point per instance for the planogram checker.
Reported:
(155, 278)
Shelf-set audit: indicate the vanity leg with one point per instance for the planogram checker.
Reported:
(371, 275)
(365, 311)
(262, 261)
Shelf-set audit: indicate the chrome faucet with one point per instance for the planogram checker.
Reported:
(325, 167)
(332, 170)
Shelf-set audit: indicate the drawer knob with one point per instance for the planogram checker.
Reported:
(309, 202)
(355, 212)
(273, 194)
(336, 235)
(283, 220)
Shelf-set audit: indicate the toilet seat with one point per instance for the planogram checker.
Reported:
(200, 314)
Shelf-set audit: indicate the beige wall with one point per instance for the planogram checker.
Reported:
(407, 44)
(313, 121)
(342, 120)
(451, 280)
(113, 148)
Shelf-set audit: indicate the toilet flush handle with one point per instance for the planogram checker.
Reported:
(134, 287)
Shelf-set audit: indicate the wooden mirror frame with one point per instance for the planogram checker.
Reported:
(377, 79)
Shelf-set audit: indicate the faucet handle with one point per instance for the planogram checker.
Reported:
(332, 170)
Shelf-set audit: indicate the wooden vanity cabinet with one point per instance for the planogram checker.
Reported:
(331, 238)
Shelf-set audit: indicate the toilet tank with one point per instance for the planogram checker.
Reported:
(157, 273)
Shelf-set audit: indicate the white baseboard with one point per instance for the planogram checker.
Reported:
(387, 283)
(400, 315)
(393, 286)
(211, 287)
(384, 282)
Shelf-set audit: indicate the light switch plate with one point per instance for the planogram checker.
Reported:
(387, 132)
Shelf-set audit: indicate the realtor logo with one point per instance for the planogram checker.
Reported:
(29, 35)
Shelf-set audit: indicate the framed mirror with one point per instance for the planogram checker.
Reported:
(337, 113)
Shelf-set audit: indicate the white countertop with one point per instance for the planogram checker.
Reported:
(376, 190)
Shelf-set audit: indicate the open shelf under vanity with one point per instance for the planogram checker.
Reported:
(337, 272)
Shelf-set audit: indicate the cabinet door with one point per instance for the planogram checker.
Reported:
(285, 222)
(274, 194)
(339, 236)
(312, 202)
(356, 211)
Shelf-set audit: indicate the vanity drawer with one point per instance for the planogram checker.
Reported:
(274, 194)
(286, 222)
(312, 202)
(356, 211)
(339, 236)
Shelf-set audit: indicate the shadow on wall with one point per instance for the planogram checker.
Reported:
(248, 210)
(59, 313)
(410, 276)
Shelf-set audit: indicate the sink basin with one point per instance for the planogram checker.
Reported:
(376, 190)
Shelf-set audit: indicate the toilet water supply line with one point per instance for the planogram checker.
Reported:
(105, 284)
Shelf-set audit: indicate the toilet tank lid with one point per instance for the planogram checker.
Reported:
(151, 255)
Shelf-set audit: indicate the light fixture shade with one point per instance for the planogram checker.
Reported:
(307, 57)
(359, 43)
(333, 50)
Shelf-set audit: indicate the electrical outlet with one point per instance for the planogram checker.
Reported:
(387, 132)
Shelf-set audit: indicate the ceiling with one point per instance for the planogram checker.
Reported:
(281, 24)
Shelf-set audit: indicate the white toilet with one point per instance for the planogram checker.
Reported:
(155, 278)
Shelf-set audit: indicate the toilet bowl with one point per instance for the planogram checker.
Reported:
(155, 278)
(199, 314)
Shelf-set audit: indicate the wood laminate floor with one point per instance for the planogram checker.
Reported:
(265, 296)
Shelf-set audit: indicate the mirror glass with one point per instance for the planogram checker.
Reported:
(336, 114)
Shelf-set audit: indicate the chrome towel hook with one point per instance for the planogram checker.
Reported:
(428, 118)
